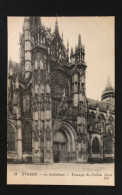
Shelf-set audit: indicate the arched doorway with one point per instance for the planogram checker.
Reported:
(64, 146)
(60, 146)
(10, 138)
(95, 146)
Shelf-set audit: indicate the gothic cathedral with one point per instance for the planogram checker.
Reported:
(50, 119)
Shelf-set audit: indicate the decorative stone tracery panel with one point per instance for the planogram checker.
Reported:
(59, 82)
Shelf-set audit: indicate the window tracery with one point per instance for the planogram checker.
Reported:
(59, 82)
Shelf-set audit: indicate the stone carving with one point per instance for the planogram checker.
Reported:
(58, 83)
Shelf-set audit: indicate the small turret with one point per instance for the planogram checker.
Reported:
(72, 58)
(83, 53)
(56, 27)
(108, 95)
(79, 41)
(71, 54)
(80, 52)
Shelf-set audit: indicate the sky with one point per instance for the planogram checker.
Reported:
(97, 34)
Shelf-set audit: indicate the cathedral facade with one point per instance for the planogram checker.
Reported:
(50, 119)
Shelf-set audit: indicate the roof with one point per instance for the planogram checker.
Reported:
(102, 105)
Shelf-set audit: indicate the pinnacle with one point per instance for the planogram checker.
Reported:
(56, 26)
(79, 40)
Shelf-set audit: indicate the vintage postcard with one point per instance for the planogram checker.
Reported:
(61, 101)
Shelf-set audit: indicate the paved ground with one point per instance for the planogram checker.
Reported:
(72, 172)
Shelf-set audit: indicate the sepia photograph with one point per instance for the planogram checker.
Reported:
(61, 100)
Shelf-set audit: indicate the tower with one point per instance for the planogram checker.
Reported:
(41, 97)
(78, 66)
(108, 95)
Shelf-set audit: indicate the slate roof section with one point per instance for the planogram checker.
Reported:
(102, 105)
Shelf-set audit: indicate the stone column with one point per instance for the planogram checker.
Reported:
(45, 152)
(102, 148)
(79, 152)
(51, 141)
(19, 122)
(51, 144)
(45, 136)
(90, 145)
(82, 152)
(19, 141)
(39, 129)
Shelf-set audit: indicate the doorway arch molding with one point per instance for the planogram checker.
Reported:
(68, 129)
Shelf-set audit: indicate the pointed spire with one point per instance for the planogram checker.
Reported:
(71, 52)
(56, 26)
(108, 82)
(83, 48)
(79, 41)
(108, 86)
